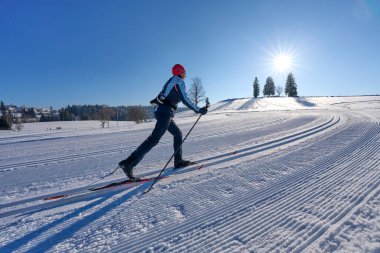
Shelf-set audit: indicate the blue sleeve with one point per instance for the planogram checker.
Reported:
(184, 98)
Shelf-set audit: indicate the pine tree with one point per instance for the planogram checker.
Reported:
(2, 107)
(291, 86)
(256, 88)
(269, 88)
(5, 119)
(5, 122)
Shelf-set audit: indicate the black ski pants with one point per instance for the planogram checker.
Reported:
(164, 122)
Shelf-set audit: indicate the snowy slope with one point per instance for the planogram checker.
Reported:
(273, 175)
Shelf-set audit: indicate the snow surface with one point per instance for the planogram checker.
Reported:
(274, 175)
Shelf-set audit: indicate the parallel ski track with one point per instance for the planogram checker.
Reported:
(326, 185)
(271, 207)
(249, 149)
(343, 230)
(215, 132)
(306, 133)
(243, 151)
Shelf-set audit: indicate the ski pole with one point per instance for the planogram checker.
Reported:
(156, 178)
(103, 177)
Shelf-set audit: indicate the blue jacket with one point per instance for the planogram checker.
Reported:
(173, 92)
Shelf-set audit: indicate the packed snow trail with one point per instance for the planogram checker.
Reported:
(63, 173)
(304, 206)
(243, 151)
(301, 181)
(105, 150)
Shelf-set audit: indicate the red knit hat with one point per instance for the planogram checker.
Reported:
(178, 70)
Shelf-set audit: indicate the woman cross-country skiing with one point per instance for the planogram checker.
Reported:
(173, 92)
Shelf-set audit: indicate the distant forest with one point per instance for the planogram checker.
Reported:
(98, 112)
(103, 112)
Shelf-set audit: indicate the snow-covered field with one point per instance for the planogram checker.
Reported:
(273, 175)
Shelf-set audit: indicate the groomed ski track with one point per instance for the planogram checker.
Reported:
(212, 160)
(298, 182)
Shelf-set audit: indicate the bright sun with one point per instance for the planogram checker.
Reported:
(281, 60)
(282, 63)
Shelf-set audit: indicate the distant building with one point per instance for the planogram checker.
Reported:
(11, 108)
(19, 113)
(16, 115)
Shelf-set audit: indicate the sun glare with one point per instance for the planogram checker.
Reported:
(282, 63)
(281, 59)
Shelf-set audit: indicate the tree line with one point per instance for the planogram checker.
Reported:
(270, 89)
(106, 113)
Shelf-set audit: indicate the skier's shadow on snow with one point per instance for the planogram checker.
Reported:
(69, 231)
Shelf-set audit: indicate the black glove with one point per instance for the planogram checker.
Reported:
(203, 110)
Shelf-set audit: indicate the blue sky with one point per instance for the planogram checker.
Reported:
(54, 53)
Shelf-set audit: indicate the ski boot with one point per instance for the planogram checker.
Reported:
(182, 163)
(127, 167)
